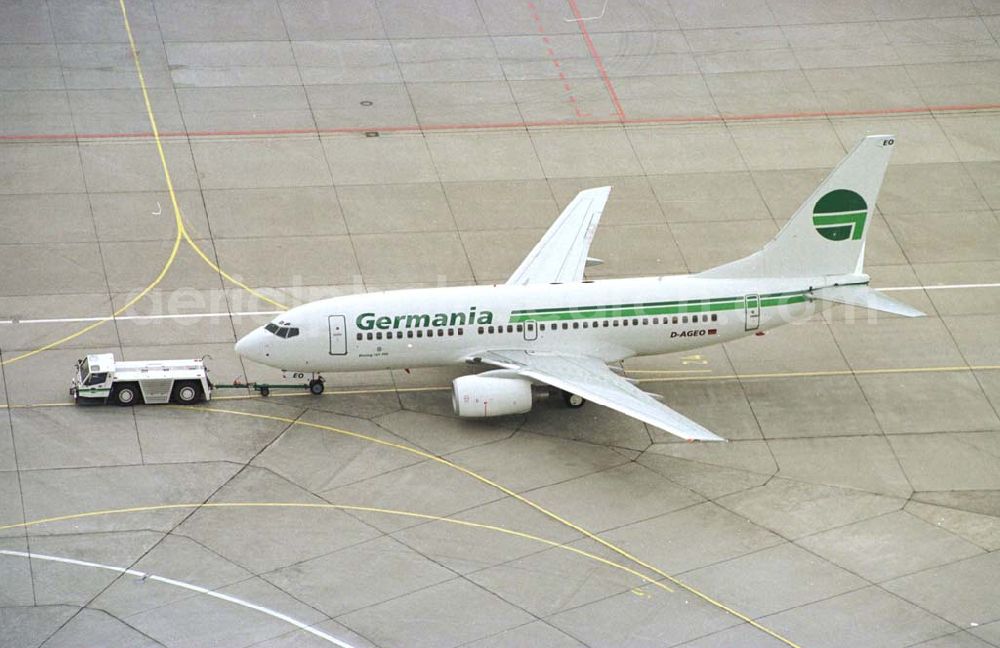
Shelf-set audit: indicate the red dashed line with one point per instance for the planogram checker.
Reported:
(597, 61)
(555, 61)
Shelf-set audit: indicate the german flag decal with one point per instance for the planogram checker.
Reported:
(840, 215)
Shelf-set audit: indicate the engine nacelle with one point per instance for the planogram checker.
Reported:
(484, 395)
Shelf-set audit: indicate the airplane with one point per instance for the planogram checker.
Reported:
(549, 326)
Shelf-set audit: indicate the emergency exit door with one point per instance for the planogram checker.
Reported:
(753, 312)
(338, 335)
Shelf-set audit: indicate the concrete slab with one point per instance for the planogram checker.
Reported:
(971, 603)
(241, 164)
(572, 153)
(463, 60)
(373, 209)
(537, 633)
(699, 197)
(862, 463)
(889, 546)
(616, 497)
(274, 212)
(531, 460)
(45, 438)
(811, 407)
(900, 403)
(345, 61)
(796, 509)
(100, 624)
(689, 149)
(63, 584)
(450, 614)
(498, 155)
(693, 537)
(632, 200)
(53, 168)
(346, 580)
(355, 159)
(747, 582)
(860, 616)
(654, 619)
(955, 461)
(981, 530)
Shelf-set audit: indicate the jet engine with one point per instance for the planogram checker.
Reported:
(485, 395)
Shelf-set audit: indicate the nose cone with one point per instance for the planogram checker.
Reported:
(249, 346)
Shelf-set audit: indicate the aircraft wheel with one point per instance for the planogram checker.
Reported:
(316, 386)
(573, 401)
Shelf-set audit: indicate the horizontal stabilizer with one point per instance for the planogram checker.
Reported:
(865, 297)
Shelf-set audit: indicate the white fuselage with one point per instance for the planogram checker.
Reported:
(612, 320)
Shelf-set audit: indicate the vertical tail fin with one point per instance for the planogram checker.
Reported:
(826, 235)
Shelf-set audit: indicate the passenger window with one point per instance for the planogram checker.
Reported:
(565, 326)
(656, 320)
(480, 330)
(614, 323)
(684, 319)
(490, 329)
(624, 322)
(541, 327)
(430, 332)
(694, 318)
(451, 332)
(645, 321)
(576, 325)
(420, 334)
(520, 328)
(715, 317)
(674, 319)
(409, 334)
(370, 336)
(360, 336)
(635, 322)
(378, 336)
(510, 328)
(605, 323)
(460, 331)
(440, 332)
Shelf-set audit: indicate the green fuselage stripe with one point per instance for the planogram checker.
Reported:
(654, 308)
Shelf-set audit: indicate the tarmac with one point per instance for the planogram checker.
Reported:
(308, 148)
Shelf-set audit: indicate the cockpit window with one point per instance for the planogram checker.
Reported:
(283, 331)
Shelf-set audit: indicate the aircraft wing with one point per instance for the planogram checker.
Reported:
(561, 255)
(595, 381)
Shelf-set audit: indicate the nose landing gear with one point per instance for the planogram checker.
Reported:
(316, 385)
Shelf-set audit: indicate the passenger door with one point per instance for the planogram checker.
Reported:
(753, 312)
(338, 335)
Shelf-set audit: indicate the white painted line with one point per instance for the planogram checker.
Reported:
(121, 318)
(940, 287)
(125, 318)
(187, 586)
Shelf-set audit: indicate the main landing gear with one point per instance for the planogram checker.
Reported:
(572, 401)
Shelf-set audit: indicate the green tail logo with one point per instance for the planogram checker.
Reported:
(840, 215)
